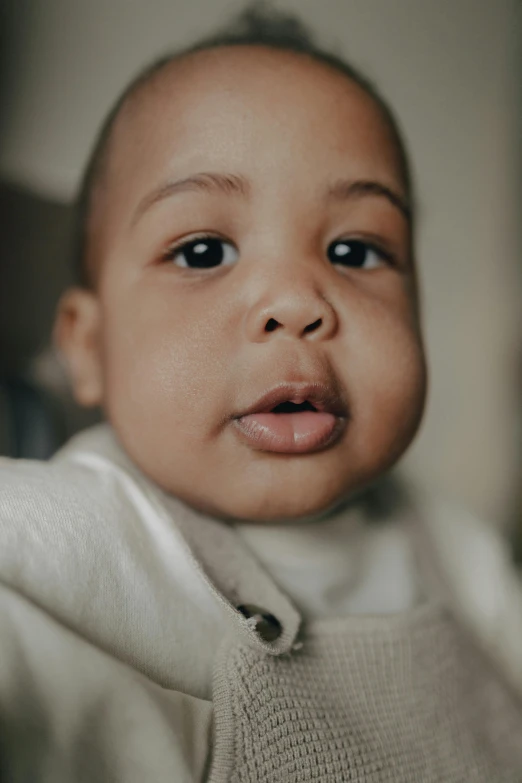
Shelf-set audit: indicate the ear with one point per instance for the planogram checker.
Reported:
(76, 334)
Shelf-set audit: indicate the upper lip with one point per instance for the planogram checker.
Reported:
(321, 395)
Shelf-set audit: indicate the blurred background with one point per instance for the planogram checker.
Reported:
(452, 70)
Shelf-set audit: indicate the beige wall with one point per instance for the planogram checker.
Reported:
(450, 69)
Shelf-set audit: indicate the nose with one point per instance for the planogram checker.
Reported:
(293, 312)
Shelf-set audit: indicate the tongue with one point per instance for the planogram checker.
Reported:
(292, 424)
(288, 432)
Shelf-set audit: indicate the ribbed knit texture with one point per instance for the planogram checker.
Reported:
(403, 699)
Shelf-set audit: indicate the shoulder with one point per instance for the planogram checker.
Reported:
(49, 510)
(65, 520)
(75, 494)
(41, 488)
(59, 493)
(474, 564)
(465, 542)
(34, 493)
(471, 556)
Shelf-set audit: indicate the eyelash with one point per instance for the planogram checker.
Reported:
(377, 248)
(172, 250)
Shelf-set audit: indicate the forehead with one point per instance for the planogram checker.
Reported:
(253, 95)
(275, 117)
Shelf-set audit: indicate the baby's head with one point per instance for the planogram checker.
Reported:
(246, 243)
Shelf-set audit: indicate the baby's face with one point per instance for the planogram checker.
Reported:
(253, 239)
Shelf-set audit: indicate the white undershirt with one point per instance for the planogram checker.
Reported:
(339, 565)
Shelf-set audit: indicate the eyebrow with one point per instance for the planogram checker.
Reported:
(237, 185)
(343, 190)
(226, 184)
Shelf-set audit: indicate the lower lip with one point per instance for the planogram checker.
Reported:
(291, 433)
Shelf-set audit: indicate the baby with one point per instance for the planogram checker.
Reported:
(217, 584)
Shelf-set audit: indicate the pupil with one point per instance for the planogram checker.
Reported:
(204, 253)
(351, 253)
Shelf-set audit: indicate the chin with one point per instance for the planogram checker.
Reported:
(281, 505)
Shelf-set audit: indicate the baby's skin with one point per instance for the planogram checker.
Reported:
(251, 246)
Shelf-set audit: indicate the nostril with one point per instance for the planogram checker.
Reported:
(313, 326)
(271, 325)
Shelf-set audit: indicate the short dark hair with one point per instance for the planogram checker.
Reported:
(258, 25)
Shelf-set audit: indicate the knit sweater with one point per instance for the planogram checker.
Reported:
(405, 698)
(126, 655)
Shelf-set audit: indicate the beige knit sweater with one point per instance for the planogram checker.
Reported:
(116, 598)
(401, 699)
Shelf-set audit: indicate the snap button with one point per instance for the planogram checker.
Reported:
(267, 626)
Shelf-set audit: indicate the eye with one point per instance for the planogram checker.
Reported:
(203, 252)
(356, 254)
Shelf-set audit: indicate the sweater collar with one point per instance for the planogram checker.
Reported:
(230, 573)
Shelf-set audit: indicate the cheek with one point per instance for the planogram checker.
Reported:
(387, 379)
(161, 363)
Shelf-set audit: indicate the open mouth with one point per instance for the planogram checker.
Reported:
(294, 418)
(291, 428)
(293, 407)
